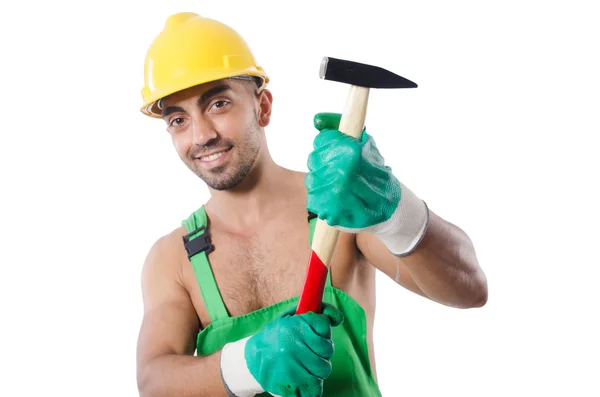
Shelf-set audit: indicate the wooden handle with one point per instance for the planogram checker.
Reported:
(325, 237)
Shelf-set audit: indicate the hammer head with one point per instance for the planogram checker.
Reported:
(361, 74)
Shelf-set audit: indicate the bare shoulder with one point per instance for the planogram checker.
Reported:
(170, 323)
(162, 266)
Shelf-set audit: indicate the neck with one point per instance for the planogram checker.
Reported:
(263, 192)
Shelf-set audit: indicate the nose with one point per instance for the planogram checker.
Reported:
(202, 131)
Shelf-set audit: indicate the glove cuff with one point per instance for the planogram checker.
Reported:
(236, 376)
(405, 229)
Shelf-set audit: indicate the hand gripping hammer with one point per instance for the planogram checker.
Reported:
(361, 78)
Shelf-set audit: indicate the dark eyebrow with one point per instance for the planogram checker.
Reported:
(212, 92)
(201, 101)
(170, 110)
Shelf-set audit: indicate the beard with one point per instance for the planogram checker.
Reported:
(232, 173)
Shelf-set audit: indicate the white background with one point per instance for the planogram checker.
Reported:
(499, 138)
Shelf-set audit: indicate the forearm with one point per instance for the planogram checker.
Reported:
(445, 267)
(183, 376)
(369, 199)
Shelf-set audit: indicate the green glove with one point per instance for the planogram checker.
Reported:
(290, 356)
(350, 187)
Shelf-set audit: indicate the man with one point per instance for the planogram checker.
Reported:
(220, 291)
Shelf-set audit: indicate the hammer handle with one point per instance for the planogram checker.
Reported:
(325, 237)
(352, 123)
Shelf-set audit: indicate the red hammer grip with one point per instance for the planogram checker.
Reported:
(314, 286)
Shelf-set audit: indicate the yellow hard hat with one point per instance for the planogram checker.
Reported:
(193, 50)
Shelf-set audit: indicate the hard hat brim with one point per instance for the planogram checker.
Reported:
(150, 107)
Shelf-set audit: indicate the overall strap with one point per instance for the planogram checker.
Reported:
(198, 246)
(312, 219)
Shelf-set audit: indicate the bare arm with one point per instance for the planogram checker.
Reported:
(443, 267)
(166, 365)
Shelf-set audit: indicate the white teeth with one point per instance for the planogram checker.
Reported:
(212, 156)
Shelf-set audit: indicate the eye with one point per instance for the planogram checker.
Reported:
(220, 104)
(176, 121)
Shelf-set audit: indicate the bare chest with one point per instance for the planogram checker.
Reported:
(255, 271)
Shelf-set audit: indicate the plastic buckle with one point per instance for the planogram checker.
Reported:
(199, 244)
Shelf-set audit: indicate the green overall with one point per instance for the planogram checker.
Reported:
(351, 374)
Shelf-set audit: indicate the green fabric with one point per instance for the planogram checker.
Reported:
(351, 374)
(290, 356)
(345, 174)
(204, 275)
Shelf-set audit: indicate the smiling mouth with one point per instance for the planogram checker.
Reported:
(214, 156)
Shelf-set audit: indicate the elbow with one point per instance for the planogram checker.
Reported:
(471, 295)
(144, 393)
(480, 300)
(142, 385)
(146, 389)
(475, 282)
(479, 295)
(144, 381)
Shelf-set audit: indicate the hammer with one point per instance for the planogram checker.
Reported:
(361, 78)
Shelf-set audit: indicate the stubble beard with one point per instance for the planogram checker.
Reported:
(230, 175)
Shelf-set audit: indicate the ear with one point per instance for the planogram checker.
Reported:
(265, 105)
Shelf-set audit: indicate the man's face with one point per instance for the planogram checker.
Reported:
(216, 129)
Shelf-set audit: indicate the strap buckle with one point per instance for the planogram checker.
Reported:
(199, 244)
